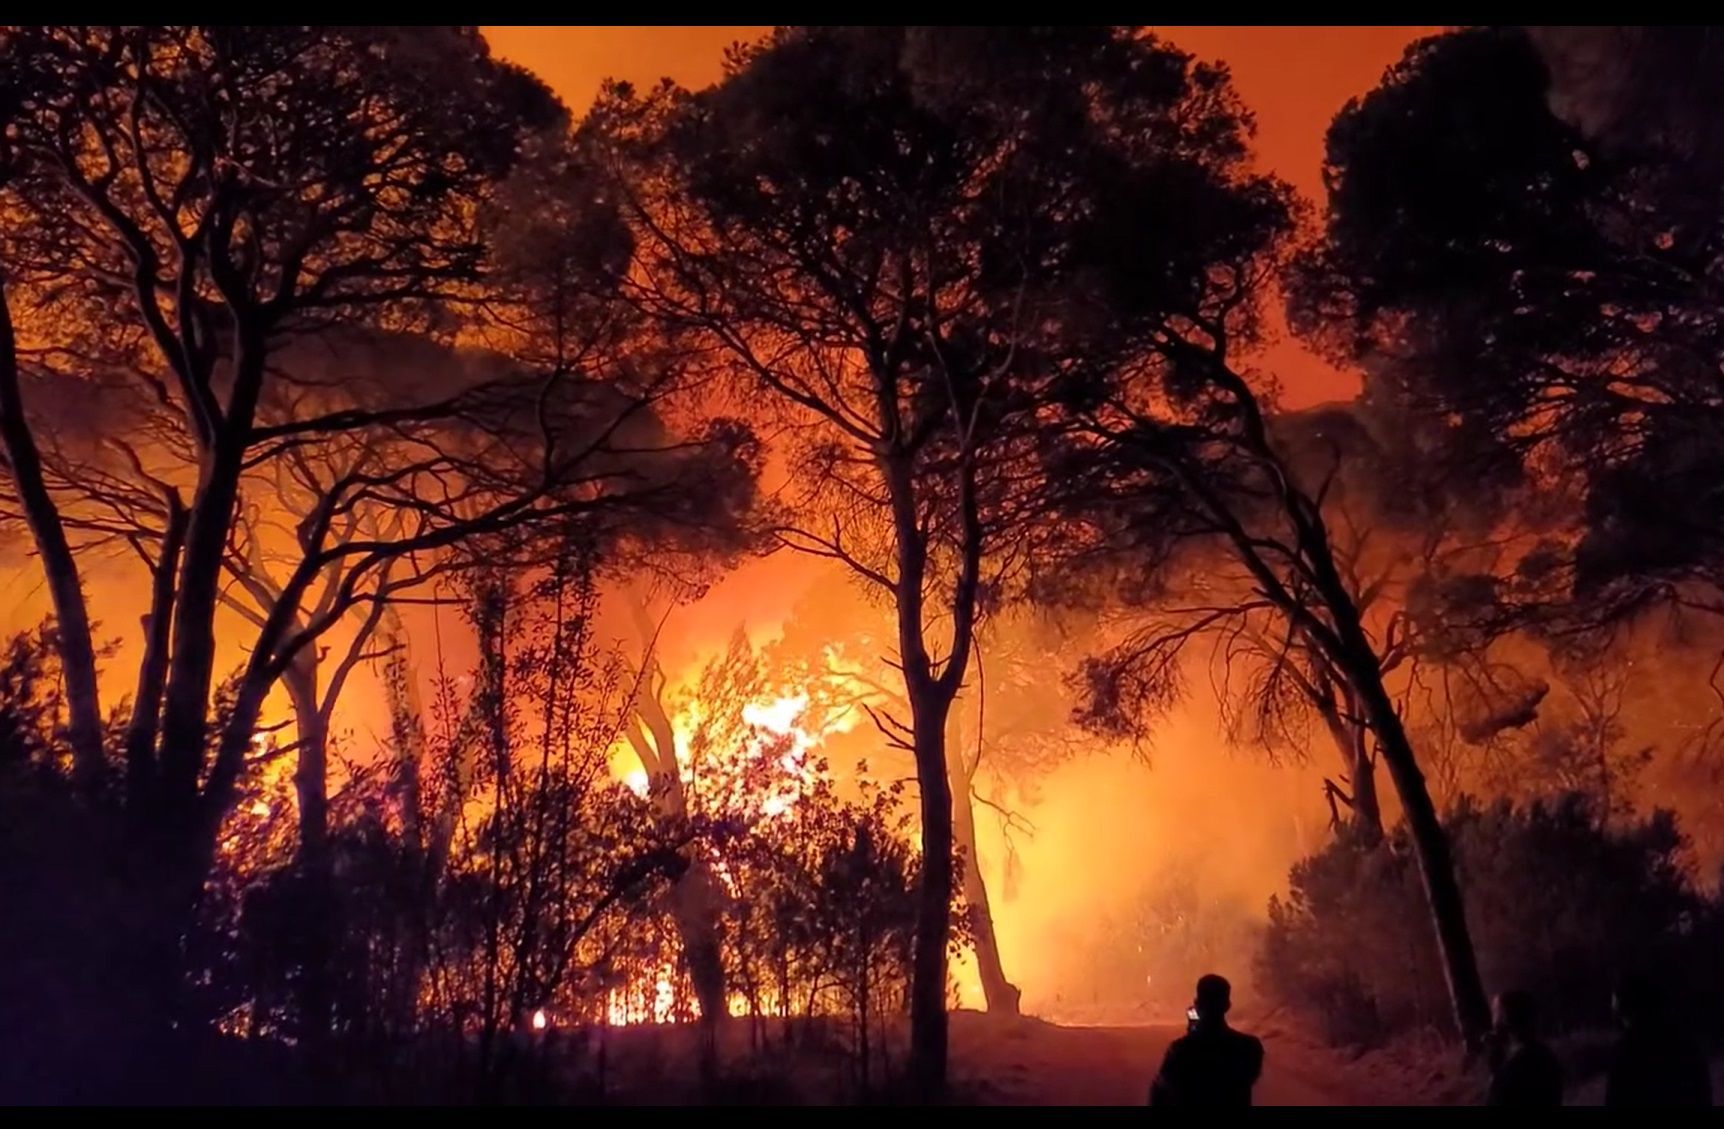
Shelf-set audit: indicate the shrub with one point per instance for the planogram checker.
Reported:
(1559, 901)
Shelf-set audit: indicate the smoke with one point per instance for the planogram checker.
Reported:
(1144, 867)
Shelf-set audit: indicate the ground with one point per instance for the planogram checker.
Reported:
(1024, 1061)
(1029, 1062)
(1001, 1061)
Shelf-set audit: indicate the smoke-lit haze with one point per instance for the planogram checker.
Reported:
(1113, 833)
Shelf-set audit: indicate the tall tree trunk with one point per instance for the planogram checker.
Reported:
(185, 708)
(311, 757)
(928, 1020)
(930, 697)
(407, 725)
(1001, 995)
(694, 905)
(141, 730)
(186, 702)
(1431, 844)
(71, 613)
(1367, 806)
(311, 788)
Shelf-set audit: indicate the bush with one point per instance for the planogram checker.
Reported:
(1558, 900)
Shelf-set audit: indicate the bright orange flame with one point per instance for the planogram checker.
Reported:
(778, 716)
(626, 1006)
(540, 1020)
(967, 981)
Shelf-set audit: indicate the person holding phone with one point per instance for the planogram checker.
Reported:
(1212, 1064)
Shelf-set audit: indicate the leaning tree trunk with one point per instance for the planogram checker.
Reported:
(1431, 845)
(191, 665)
(153, 667)
(1001, 995)
(71, 613)
(694, 897)
(1345, 644)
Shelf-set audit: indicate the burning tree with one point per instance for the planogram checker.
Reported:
(652, 738)
(1009, 727)
(906, 236)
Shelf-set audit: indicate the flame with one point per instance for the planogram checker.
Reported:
(775, 719)
(778, 716)
(966, 980)
(626, 1005)
(540, 1020)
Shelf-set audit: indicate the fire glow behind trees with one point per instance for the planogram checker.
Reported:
(742, 568)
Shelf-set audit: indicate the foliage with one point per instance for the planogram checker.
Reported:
(1527, 277)
(506, 871)
(1561, 902)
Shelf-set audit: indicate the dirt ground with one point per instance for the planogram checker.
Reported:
(1029, 1062)
(1020, 1061)
(998, 1061)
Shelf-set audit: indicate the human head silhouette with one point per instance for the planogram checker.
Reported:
(1517, 1015)
(1214, 998)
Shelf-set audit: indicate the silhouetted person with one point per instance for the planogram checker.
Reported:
(1655, 1063)
(1524, 1073)
(1212, 1065)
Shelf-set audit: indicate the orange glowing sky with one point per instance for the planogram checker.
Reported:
(1295, 78)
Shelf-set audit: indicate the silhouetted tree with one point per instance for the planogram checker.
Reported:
(1409, 546)
(201, 197)
(1178, 451)
(23, 462)
(905, 236)
(1520, 243)
(829, 653)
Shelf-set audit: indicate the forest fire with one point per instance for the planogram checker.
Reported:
(903, 554)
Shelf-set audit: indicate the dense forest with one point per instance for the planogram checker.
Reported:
(388, 453)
